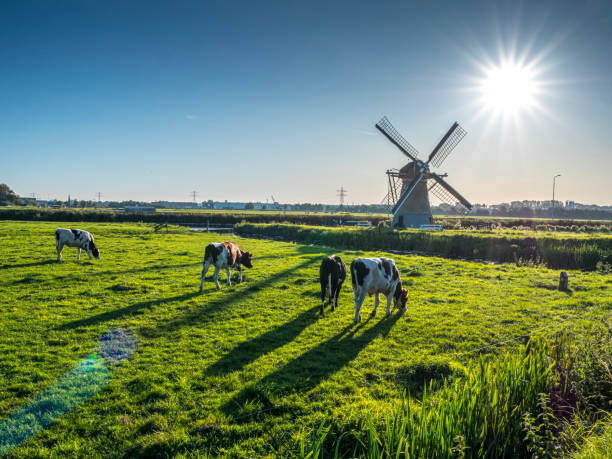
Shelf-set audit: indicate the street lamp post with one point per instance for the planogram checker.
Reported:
(553, 200)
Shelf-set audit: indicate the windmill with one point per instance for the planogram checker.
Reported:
(409, 187)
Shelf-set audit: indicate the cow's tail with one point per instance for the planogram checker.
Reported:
(57, 236)
(353, 273)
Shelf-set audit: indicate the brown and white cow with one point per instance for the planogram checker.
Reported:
(75, 238)
(375, 276)
(224, 255)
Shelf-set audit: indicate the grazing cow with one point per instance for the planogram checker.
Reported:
(374, 276)
(332, 274)
(75, 238)
(224, 255)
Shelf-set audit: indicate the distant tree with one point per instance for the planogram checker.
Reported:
(249, 206)
(83, 203)
(7, 196)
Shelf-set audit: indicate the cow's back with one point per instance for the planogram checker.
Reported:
(373, 274)
(214, 251)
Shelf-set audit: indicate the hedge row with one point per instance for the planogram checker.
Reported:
(186, 217)
(553, 252)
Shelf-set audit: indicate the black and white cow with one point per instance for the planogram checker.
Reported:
(75, 238)
(224, 255)
(332, 274)
(375, 276)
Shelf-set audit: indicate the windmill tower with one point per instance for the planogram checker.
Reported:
(409, 187)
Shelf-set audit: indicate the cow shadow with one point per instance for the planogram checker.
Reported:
(251, 350)
(122, 312)
(81, 275)
(206, 312)
(309, 369)
(203, 313)
(29, 265)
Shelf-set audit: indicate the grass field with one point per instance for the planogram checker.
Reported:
(246, 370)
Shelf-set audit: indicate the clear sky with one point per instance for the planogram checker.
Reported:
(241, 100)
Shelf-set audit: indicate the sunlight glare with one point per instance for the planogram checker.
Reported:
(508, 88)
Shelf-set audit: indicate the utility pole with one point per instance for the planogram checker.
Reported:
(341, 194)
(553, 201)
(99, 195)
(194, 194)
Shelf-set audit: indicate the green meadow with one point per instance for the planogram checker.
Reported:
(251, 370)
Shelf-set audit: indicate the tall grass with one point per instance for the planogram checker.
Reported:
(500, 408)
(553, 251)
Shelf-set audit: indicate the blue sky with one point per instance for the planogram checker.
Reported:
(240, 100)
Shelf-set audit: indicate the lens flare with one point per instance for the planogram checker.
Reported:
(81, 383)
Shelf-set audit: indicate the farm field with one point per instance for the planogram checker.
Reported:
(245, 370)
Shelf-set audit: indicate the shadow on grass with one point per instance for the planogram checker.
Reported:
(117, 313)
(28, 265)
(251, 350)
(190, 317)
(309, 369)
(206, 312)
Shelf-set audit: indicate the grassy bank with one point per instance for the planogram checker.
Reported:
(544, 399)
(555, 250)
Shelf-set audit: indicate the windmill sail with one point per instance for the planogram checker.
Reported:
(385, 126)
(447, 144)
(445, 187)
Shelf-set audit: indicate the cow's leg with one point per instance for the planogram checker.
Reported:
(323, 281)
(59, 246)
(205, 267)
(332, 295)
(359, 299)
(88, 252)
(227, 272)
(239, 273)
(376, 303)
(389, 300)
(338, 288)
(216, 277)
(78, 253)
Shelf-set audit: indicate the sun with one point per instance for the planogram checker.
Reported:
(508, 88)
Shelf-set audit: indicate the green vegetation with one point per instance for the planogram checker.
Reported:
(196, 217)
(225, 217)
(555, 250)
(7, 196)
(252, 370)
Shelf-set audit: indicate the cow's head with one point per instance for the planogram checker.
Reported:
(94, 250)
(246, 259)
(400, 296)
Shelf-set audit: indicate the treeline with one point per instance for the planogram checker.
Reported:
(529, 212)
(573, 253)
(200, 218)
(532, 224)
(230, 217)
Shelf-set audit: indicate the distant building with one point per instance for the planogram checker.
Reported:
(28, 201)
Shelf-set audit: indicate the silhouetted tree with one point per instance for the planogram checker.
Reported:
(7, 196)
